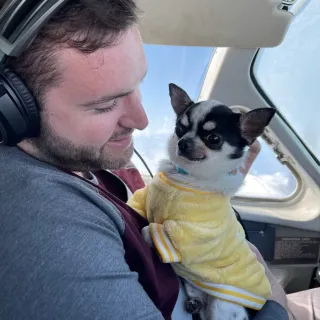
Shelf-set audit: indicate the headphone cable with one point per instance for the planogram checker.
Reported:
(144, 163)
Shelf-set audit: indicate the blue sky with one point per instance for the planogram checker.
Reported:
(287, 73)
(185, 66)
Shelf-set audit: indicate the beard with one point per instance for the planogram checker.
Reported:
(61, 152)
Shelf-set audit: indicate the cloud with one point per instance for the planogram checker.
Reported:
(167, 127)
(144, 133)
(275, 186)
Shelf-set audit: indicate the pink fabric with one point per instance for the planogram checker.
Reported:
(131, 177)
(304, 305)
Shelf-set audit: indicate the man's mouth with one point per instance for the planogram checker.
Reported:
(121, 142)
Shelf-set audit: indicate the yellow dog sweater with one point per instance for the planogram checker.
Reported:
(199, 234)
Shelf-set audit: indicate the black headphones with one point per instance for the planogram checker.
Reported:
(20, 21)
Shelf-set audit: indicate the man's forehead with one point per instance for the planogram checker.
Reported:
(107, 71)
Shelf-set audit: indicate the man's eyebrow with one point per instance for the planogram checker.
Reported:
(105, 99)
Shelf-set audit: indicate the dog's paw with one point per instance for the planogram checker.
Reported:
(223, 310)
(147, 236)
(194, 305)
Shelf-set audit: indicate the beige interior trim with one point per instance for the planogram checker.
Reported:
(214, 23)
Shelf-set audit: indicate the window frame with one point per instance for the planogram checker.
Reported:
(277, 200)
(295, 174)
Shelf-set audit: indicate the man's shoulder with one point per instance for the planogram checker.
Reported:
(29, 187)
(20, 169)
(62, 248)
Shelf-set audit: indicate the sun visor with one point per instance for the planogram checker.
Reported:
(214, 23)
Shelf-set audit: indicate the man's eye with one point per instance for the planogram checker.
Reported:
(107, 109)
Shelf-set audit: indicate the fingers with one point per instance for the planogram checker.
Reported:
(255, 147)
(253, 152)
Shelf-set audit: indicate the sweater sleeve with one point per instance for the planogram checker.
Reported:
(167, 252)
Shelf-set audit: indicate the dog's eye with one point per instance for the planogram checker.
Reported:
(213, 139)
(179, 131)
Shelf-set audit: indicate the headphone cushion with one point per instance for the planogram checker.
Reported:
(29, 102)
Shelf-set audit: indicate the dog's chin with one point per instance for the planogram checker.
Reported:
(191, 158)
(207, 168)
(189, 162)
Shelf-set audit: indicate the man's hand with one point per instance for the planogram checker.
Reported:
(253, 152)
(278, 294)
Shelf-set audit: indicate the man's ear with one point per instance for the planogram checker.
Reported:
(180, 100)
(253, 123)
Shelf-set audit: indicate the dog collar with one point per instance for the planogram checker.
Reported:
(181, 171)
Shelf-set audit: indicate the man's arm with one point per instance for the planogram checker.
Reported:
(272, 311)
(64, 259)
(275, 308)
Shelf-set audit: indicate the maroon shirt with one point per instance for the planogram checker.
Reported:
(158, 279)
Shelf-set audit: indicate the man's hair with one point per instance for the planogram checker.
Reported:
(85, 25)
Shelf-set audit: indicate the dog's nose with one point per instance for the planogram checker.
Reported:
(185, 144)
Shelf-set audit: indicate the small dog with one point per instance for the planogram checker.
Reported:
(206, 153)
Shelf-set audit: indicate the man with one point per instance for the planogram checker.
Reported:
(69, 246)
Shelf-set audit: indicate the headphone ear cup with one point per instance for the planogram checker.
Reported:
(28, 102)
(19, 115)
(4, 139)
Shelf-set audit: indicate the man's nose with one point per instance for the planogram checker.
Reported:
(135, 116)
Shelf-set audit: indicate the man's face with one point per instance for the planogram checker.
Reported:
(88, 120)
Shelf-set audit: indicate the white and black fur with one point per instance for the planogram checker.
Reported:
(208, 142)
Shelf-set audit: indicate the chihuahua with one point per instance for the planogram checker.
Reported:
(206, 152)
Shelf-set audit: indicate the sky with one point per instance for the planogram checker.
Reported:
(287, 73)
(290, 75)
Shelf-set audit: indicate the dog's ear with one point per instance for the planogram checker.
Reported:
(253, 123)
(179, 99)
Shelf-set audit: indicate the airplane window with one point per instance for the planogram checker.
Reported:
(186, 67)
(289, 75)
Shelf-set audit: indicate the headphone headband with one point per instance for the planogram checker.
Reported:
(20, 21)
